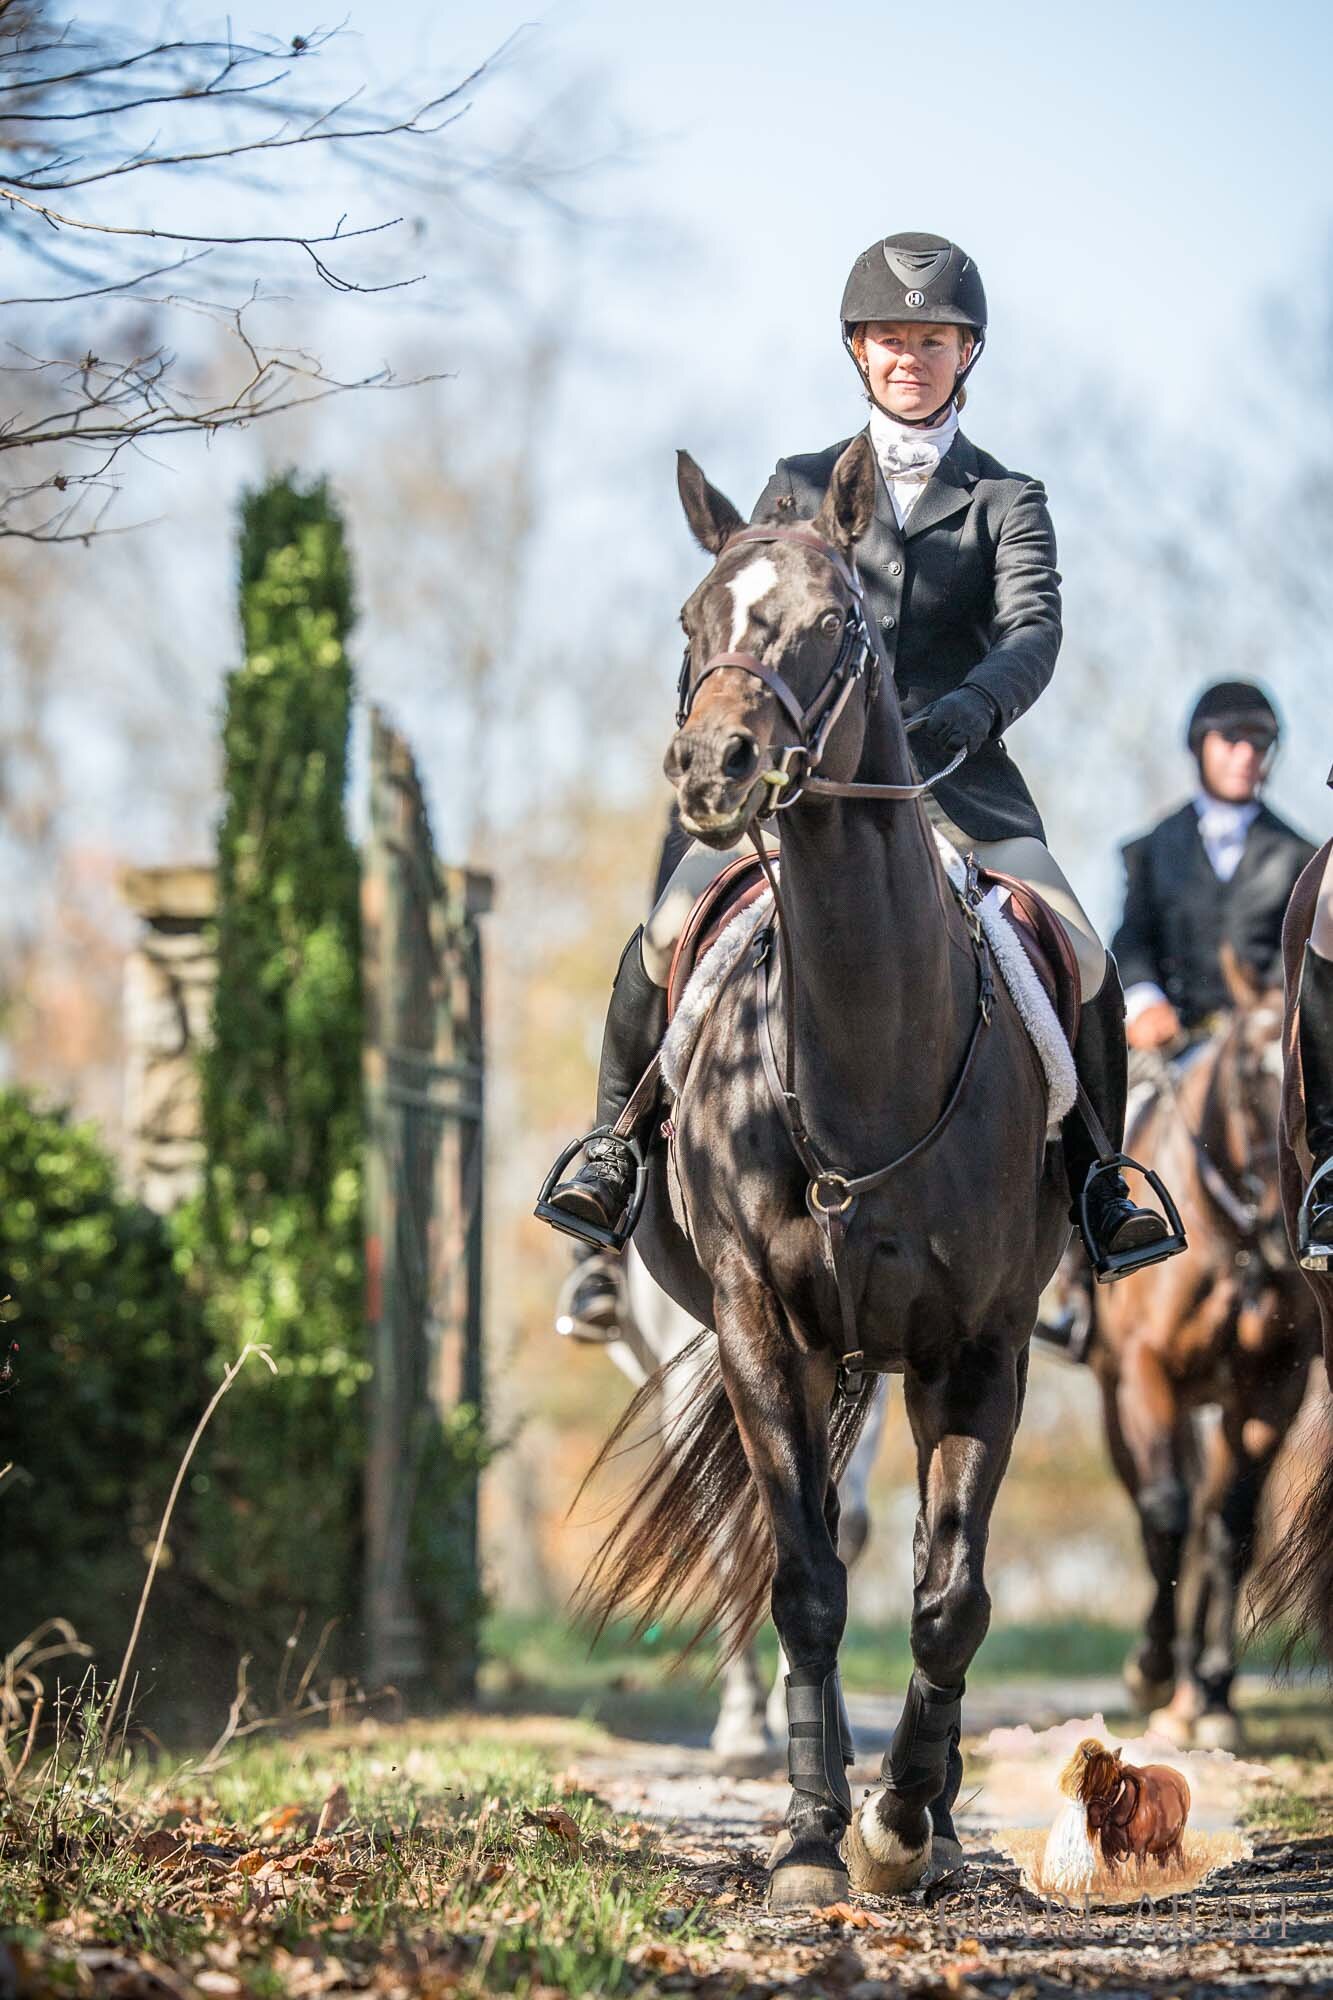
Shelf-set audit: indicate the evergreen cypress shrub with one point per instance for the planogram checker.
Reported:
(108, 1379)
(277, 1231)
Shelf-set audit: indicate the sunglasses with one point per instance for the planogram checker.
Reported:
(1262, 739)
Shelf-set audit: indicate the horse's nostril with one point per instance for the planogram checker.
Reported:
(679, 756)
(741, 757)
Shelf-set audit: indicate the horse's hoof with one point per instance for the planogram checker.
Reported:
(1219, 1729)
(1177, 1725)
(803, 1882)
(878, 1862)
(1144, 1692)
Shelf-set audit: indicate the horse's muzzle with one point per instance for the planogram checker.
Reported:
(716, 777)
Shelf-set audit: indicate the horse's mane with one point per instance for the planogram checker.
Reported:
(1093, 1772)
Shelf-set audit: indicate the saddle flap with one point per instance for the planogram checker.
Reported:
(1044, 939)
(740, 883)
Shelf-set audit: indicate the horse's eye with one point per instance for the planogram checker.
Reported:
(830, 623)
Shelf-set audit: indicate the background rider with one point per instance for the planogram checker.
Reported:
(1217, 871)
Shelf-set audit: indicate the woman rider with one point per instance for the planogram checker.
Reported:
(959, 570)
(1316, 997)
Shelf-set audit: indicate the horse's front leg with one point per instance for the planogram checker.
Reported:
(963, 1422)
(781, 1398)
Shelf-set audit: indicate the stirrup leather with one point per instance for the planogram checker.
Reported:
(579, 1226)
(1109, 1265)
(1312, 1255)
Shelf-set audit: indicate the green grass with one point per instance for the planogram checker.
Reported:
(635, 1686)
(453, 1841)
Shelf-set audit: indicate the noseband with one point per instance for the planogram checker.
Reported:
(813, 724)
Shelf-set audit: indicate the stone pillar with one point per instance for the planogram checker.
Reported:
(169, 980)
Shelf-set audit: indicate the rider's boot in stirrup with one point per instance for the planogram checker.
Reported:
(593, 1204)
(1122, 1237)
(589, 1305)
(1315, 1239)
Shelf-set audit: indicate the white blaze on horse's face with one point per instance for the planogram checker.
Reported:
(747, 587)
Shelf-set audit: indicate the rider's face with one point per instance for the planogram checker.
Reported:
(1233, 765)
(911, 367)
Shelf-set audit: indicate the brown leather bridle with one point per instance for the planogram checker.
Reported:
(858, 662)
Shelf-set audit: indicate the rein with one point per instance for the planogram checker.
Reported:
(831, 1196)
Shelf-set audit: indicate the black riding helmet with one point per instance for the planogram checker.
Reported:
(915, 276)
(1232, 705)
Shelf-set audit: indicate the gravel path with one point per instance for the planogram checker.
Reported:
(1263, 1926)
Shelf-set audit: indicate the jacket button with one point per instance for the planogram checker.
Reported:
(895, 569)
(888, 621)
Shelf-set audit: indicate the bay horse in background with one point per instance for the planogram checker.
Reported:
(1294, 1590)
(653, 1332)
(1230, 1325)
(891, 1206)
(1134, 1811)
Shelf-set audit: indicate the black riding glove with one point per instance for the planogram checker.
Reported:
(961, 720)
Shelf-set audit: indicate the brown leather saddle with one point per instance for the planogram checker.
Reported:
(1031, 919)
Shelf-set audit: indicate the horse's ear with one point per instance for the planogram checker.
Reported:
(849, 504)
(1242, 981)
(711, 516)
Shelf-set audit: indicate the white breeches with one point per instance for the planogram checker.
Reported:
(1028, 859)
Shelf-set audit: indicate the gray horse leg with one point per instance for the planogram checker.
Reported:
(742, 1737)
(963, 1423)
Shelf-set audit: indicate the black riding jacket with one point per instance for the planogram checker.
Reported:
(1178, 913)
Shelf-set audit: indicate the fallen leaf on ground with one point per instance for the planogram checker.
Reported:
(159, 1847)
(336, 1808)
(661, 1958)
(554, 1819)
(850, 1913)
(280, 1822)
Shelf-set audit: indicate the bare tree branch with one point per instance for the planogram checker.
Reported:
(85, 111)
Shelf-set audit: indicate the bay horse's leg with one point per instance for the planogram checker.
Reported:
(1145, 1417)
(781, 1398)
(963, 1422)
(1268, 1387)
(1150, 1671)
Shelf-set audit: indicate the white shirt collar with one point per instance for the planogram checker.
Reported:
(1225, 816)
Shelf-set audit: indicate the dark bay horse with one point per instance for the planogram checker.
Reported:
(1227, 1327)
(1294, 1590)
(898, 1055)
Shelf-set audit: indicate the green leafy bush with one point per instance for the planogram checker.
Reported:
(108, 1379)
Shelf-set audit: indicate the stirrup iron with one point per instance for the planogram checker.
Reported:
(1110, 1265)
(583, 1230)
(1312, 1256)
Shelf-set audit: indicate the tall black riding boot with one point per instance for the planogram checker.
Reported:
(1315, 1245)
(592, 1204)
(1123, 1237)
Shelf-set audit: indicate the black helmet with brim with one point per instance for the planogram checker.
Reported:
(915, 276)
(1232, 705)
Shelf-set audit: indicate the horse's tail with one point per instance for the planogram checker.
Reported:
(693, 1536)
(1292, 1592)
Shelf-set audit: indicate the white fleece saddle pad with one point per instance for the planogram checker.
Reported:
(1029, 996)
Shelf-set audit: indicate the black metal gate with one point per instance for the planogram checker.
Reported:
(424, 1075)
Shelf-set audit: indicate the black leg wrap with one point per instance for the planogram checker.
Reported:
(917, 1760)
(815, 1744)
